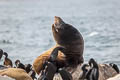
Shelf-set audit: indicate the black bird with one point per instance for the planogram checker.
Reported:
(19, 64)
(7, 61)
(1, 53)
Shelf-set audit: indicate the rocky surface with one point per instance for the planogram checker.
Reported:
(117, 77)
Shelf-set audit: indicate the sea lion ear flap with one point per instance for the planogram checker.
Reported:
(114, 66)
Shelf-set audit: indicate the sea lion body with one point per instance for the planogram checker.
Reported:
(68, 37)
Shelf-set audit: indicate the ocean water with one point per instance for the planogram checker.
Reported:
(25, 27)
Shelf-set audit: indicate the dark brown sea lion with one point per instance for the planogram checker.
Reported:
(70, 39)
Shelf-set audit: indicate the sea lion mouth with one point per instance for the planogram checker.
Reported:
(58, 22)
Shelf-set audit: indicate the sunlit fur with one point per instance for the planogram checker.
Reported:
(16, 73)
(38, 62)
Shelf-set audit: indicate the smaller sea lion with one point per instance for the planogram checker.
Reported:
(27, 67)
(15, 73)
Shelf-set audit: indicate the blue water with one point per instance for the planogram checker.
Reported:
(25, 27)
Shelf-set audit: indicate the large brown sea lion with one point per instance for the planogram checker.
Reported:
(70, 39)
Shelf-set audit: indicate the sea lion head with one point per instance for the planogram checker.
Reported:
(64, 34)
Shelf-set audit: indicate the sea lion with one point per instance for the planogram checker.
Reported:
(70, 39)
(26, 67)
(15, 73)
(1, 53)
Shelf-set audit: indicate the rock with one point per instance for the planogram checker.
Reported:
(117, 77)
